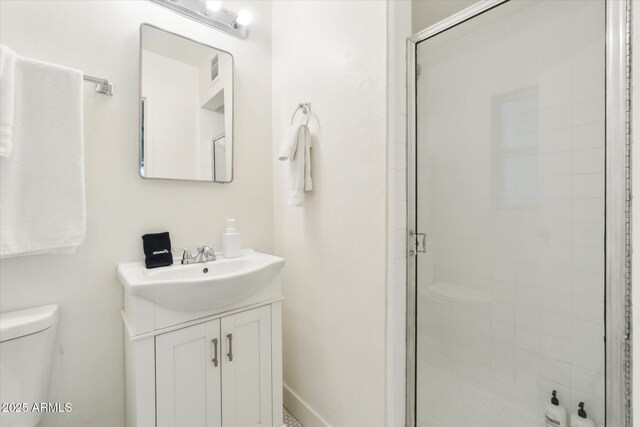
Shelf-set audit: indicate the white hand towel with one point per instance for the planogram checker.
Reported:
(299, 162)
(308, 183)
(7, 99)
(42, 197)
(290, 142)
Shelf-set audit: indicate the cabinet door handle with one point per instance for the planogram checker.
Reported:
(230, 354)
(215, 352)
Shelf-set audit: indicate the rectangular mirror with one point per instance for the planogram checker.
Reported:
(186, 108)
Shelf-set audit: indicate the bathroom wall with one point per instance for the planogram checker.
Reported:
(398, 29)
(101, 38)
(425, 13)
(325, 53)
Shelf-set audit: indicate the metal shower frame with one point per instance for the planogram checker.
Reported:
(617, 206)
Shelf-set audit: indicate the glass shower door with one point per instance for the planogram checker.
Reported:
(510, 114)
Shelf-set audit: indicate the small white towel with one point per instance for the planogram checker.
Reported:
(290, 142)
(42, 194)
(7, 99)
(296, 149)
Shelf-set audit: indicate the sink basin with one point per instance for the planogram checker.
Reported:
(201, 286)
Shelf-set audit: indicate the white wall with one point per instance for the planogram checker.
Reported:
(425, 13)
(101, 38)
(332, 54)
(398, 29)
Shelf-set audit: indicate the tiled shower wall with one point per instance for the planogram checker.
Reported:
(513, 205)
(398, 29)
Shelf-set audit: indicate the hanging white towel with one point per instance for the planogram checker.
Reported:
(290, 142)
(7, 99)
(296, 150)
(42, 194)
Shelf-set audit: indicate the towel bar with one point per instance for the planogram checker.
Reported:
(306, 107)
(102, 85)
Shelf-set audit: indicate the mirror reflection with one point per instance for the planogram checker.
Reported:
(186, 108)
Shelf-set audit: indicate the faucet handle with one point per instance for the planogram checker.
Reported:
(205, 250)
(186, 256)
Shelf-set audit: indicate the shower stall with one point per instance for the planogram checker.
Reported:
(518, 159)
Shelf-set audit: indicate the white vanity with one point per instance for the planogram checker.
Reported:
(203, 343)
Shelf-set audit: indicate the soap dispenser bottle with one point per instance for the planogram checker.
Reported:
(554, 414)
(580, 419)
(231, 247)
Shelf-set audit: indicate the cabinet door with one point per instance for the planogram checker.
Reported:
(187, 378)
(246, 369)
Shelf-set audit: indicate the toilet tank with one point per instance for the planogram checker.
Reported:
(27, 344)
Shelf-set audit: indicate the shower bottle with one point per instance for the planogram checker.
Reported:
(554, 413)
(580, 419)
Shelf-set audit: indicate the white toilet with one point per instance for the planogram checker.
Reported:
(27, 343)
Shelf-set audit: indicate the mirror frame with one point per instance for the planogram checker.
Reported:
(141, 100)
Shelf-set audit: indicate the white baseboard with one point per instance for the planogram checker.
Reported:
(301, 409)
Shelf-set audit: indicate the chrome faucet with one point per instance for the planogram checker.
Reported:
(205, 253)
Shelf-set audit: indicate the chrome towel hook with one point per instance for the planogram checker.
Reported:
(306, 110)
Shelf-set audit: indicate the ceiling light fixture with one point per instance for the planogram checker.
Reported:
(243, 19)
(212, 14)
(211, 6)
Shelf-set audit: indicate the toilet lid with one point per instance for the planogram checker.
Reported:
(19, 323)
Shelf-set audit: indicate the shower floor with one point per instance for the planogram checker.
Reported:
(449, 402)
(290, 420)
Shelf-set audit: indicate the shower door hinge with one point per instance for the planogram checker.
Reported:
(416, 243)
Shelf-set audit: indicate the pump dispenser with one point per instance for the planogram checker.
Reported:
(231, 247)
(554, 414)
(580, 419)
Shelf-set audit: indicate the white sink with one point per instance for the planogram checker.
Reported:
(201, 286)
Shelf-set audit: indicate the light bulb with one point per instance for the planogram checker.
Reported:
(213, 5)
(244, 17)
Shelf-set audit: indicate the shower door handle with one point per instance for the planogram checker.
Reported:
(421, 245)
(417, 243)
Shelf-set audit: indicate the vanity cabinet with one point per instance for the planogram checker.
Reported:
(216, 373)
(203, 343)
(246, 368)
(188, 379)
